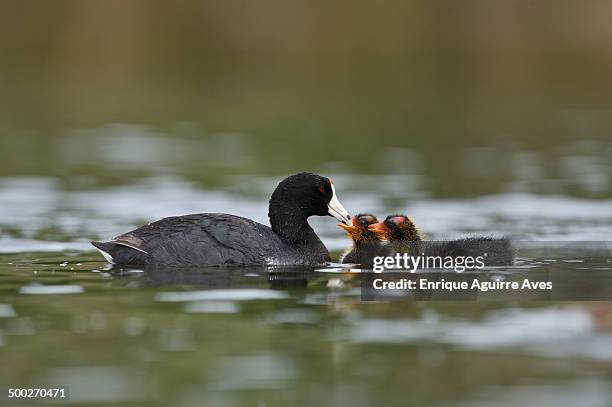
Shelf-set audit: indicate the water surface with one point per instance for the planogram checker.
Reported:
(290, 336)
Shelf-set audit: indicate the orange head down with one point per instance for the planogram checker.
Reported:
(358, 231)
(396, 228)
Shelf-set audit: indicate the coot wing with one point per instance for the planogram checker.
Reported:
(207, 239)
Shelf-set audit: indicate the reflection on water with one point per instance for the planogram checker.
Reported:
(263, 371)
(213, 307)
(594, 392)
(38, 289)
(6, 311)
(556, 332)
(236, 336)
(292, 336)
(235, 295)
(102, 384)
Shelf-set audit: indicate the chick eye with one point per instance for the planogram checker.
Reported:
(321, 189)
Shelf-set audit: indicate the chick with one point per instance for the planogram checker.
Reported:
(405, 237)
(366, 243)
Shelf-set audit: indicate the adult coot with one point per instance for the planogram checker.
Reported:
(366, 243)
(216, 239)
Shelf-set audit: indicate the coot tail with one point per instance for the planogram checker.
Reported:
(116, 249)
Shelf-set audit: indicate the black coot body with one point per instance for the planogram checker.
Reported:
(364, 255)
(492, 251)
(215, 239)
(495, 251)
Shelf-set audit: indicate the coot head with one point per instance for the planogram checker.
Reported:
(298, 197)
(309, 194)
(358, 229)
(396, 228)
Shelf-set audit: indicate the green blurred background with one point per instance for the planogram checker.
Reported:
(478, 97)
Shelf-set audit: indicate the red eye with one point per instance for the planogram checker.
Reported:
(322, 189)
